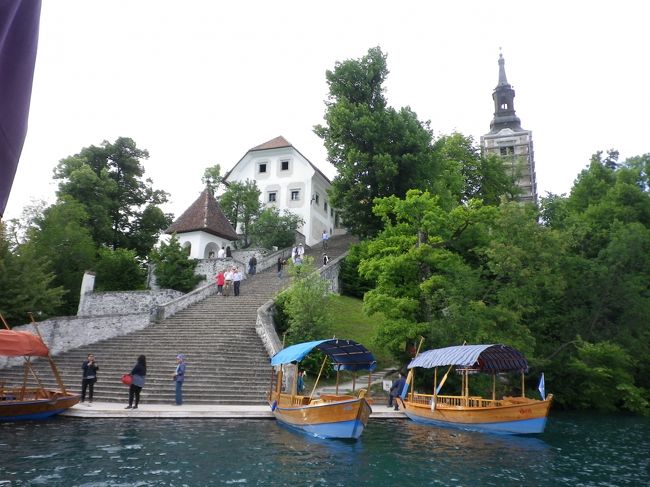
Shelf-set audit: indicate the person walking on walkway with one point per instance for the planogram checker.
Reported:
(252, 266)
(179, 378)
(325, 237)
(396, 391)
(90, 368)
(237, 276)
(138, 374)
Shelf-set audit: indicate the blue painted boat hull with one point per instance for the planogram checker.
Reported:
(36, 409)
(522, 427)
(336, 419)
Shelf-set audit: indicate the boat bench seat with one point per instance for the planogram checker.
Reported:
(334, 397)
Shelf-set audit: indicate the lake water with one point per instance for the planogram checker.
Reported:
(576, 450)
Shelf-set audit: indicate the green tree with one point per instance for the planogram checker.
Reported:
(173, 268)
(119, 270)
(212, 178)
(26, 284)
(241, 205)
(61, 236)
(108, 181)
(467, 174)
(306, 304)
(377, 150)
(274, 229)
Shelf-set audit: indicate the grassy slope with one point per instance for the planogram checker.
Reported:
(349, 321)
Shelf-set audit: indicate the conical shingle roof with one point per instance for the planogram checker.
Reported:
(204, 215)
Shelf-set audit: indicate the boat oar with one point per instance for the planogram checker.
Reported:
(55, 371)
(318, 378)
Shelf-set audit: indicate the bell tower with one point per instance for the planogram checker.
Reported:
(508, 140)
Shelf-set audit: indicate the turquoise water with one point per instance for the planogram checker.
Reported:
(576, 450)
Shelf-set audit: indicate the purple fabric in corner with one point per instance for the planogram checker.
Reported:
(18, 40)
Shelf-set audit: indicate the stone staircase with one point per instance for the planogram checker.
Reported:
(226, 361)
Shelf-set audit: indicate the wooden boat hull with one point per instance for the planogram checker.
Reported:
(339, 419)
(37, 408)
(519, 418)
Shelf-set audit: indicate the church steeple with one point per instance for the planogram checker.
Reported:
(504, 103)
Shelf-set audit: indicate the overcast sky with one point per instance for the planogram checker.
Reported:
(198, 83)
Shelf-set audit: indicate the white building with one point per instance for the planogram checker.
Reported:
(289, 181)
(203, 228)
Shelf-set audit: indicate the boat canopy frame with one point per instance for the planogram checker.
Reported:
(491, 358)
(345, 354)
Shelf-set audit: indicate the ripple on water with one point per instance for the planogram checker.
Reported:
(576, 450)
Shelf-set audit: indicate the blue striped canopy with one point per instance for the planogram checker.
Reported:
(346, 354)
(485, 358)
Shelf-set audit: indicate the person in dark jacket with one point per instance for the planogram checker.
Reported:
(252, 266)
(138, 373)
(396, 390)
(179, 378)
(89, 377)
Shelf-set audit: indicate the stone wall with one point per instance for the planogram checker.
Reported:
(66, 333)
(124, 302)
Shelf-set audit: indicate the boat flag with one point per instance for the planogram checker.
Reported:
(542, 386)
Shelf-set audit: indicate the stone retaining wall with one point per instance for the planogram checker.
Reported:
(124, 302)
(66, 333)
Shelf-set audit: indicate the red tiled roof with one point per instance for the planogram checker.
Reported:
(204, 215)
(276, 143)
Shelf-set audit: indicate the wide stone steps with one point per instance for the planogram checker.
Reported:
(226, 360)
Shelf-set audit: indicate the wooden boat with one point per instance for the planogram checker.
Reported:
(329, 415)
(21, 403)
(507, 415)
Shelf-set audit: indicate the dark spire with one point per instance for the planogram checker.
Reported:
(504, 103)
(502, 71)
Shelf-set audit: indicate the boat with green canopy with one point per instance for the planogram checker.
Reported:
(328, 415)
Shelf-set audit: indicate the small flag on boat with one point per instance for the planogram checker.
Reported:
(542, 387)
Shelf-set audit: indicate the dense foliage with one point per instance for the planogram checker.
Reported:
(122, 207)
(26, 285)
(241, 205)
(571, 293)
(380, 151)
(273, 229)
(173, 267)
(119, 270)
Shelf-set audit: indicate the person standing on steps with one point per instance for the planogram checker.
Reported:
(138, 374)
(280, 264)
(221, 254)
(179, 378)
(252, 266)
(228, 279)
(237, 276)
(89, 377)
(221, 280)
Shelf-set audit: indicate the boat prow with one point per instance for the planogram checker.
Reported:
(332, 417)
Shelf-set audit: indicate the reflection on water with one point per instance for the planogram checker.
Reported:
(576, 450)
